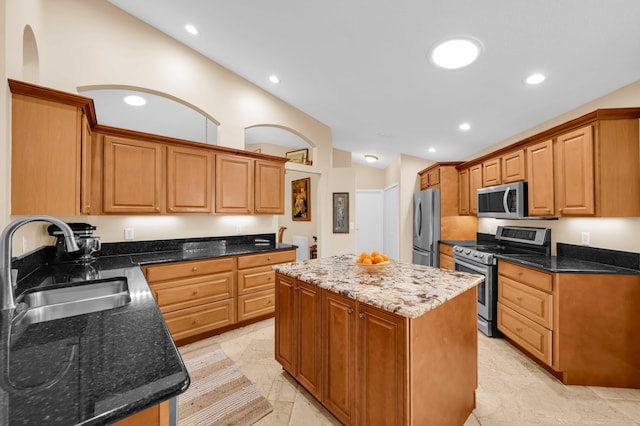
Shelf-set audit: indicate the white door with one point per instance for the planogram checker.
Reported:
(369, 223)
(391, 222)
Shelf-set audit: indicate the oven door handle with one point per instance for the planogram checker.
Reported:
(504, 200)
(482, 270)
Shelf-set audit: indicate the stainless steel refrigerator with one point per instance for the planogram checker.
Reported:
(426, 227)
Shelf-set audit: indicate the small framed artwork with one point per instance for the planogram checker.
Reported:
(301, 199)
(300, 156)
(340, 212)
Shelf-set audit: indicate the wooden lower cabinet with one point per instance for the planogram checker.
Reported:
(297, 332)
(158, 415)
(577, 325)
(446, 256)
(373, 367)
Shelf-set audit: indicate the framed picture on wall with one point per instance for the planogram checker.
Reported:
(301, 199)
(300, 156)
(340, 212)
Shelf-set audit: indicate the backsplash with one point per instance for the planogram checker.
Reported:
(622, 259)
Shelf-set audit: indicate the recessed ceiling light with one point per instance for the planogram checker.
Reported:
(432, 150)
(274, 79)
(465, 126)
(454, 54)
(370, 158)
(535, 79)
(191, 29)
(135, 100)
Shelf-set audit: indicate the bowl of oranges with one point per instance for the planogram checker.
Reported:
(372, 261)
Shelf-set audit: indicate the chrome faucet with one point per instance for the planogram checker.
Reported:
(7, 284)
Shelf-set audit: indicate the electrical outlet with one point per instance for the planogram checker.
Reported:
(585, 239)
(24, 244)
(128, 233)
(238, 229)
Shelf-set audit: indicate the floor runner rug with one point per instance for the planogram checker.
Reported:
(219, 393)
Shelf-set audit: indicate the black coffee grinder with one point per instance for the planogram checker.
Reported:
(88, 244)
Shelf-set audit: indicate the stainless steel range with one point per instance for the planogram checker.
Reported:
(482, 259)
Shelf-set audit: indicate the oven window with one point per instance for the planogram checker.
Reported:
(481, 287)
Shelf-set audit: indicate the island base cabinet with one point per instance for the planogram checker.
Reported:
(377, 367)
(158, 415)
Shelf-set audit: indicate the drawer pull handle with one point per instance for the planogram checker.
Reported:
(194, 293)
(193, 322)
(519, 298)
(269, 279)
(349, 311)
(361, 315)
(195, 268)
(269, 258)
(519, 330)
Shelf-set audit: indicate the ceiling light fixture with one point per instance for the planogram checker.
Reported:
(535, 79)
(370, 158)
(432, 150)
(454, 54)
(465, 126)
(135, 100)
(274, 79)
(191, 29)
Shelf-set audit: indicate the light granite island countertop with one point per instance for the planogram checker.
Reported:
(405, 289)
(380, 345)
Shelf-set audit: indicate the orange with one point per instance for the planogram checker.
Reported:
(367, 261)
(378, 259)
(375, 253)
(358, 260)
(364, 254)
(385, 257)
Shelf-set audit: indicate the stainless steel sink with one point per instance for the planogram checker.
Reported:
(76, 299)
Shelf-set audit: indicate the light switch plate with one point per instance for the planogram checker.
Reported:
(586, 238)
(128, 233)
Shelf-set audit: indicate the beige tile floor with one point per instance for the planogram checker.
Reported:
(512, 389)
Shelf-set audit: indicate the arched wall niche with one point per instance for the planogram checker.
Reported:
(30, 56)
(162, 114)
(276, 139)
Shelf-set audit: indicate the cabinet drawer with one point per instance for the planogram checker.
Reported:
(446, 262)
(540, 280)
(534, 304)
(256, 279)
(446, 249)
(532, 336)
(270, 258)
(256, 304)
(192, 321)
(180, 294)
(189, 269)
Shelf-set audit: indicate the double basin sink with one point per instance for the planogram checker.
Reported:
(71, 299)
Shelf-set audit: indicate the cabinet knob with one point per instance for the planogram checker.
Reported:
(349, 311)
(193, 322)
(195, 268)
(170, 209)
(560, 210)
(519, 298)
(157, 209)
(519, 330)
(269, 258)
(361, 315)
(269, 278)
(194, 293)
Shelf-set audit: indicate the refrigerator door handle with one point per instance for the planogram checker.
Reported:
(418, 219)
(433, 215)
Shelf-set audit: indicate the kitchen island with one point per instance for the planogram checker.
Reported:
(394, 344)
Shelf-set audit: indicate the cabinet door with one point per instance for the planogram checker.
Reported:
(540, 179)
(132, 176)
(269, 187)
(158, 415)
(234, 184)
(189, 180)
(45, 156)
(424, 181)
(85, 166)
(339, 328)
(285, 323)
(575, 169)
(491, 172)
(463, 194)
(380, 373)
(513, 167)
(309, 307)
(475, 183)
(433, 177)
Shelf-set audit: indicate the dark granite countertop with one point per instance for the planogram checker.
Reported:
(459, 242)
(565, 265)
(97, 368)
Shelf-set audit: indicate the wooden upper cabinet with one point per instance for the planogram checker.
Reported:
(234, 184)
(514, 166)
(132, 176)
(269, 187)
(475, 183)
(430, 177)
(492, 172)
(575, 173)
(50, 152)
(540, 179)
(463, 188)
(189, 180)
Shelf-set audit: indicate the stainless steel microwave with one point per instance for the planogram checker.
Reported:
(503, 201)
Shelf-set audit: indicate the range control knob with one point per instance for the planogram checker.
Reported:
(467, 251)
(481, 256)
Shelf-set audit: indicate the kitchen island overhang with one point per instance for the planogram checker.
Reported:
(380, 345)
